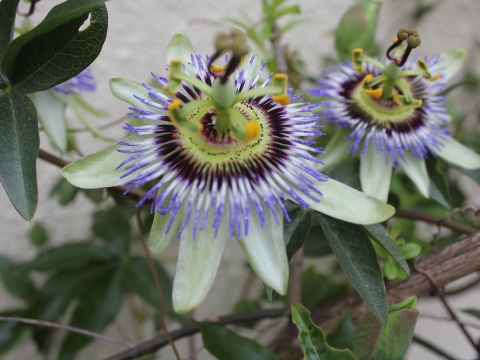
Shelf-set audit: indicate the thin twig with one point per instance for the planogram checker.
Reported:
(191, 340)
(101, 127)
(432, 347)
(441, 318)
(68, 328)
(441, 295)
(159, 342)
(416, 215)
(158, 286)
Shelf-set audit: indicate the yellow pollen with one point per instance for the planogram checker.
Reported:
(375, 93)
(252, 130)
(218, 69)
(436, 77)
(282, 99)
(394, 40)
(174, 104)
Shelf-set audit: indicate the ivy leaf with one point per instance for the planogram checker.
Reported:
(378, 233)
(96, 308)
(8, 9)
(312, 339)
(356, 255)
(55, 50)
(19, 144)
(224, 344)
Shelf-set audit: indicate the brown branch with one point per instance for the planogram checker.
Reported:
(135, 195)
(159, 342)
(161, 297)
(451, 263)
(416, 215)
(68, 328)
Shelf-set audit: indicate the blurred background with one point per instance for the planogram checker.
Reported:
(137, 36)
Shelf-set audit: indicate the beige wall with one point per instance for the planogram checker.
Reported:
(138, 33)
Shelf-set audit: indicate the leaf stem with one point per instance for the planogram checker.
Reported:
(68, 328)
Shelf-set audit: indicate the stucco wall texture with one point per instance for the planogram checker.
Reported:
(138, 33)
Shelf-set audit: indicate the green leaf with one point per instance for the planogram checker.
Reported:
(140, 279)
(357, 29)
(96, 309)
(113, 227)
(439, 190)
(366, 336)
(356, 255)
(55, 50)
(474, 312)
(224, 344)
(378, 233)
(316, 244)
(411, 250)
(19, 144)
(66, 191)
(312, 339)
(8, 10)
(293, 9)
(16, 282)
(397, 335)
(37, 234)
(347, 172)
(342, 338)
(69, 256)
(319, 289)
(12, 333)
(96, 195)
(247, 305)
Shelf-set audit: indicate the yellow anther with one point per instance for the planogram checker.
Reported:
(423, 66)
(174, 104)
(394, 40)
(357, 53)
(433, 78)
(400, 100)
(282, 99)
(252, 130)
(375, 93)
(218, 69)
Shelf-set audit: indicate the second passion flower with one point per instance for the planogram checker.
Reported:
(224, 156)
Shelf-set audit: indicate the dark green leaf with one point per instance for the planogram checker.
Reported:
(438, 183)
(356, 255)
(37, 234)
(112, 226)
(319, 289)
(246, 305)
(96, 195)
(312, 339)
(56, 50)
(397, 335)
(474, 312)
(8, 9)
(16, 282)
(95, 310)
(378, 233)
(316, 244)
(12, 333)
(19, 144)
(224, 344)
(66, 191)
(270, 293)
(69, 256)
(347, 172)
(342, 338)
(473, 174)
(293, 9)
(139, 277)
(366, 336)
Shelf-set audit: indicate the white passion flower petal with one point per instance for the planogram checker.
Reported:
(455, 153)
(197, 265)
(345, 203)
(99, 169)
(266, 253)
(159, 240)
(416, 170)
(180, 48)
(375, 174)
(51, 114)
(124, 89)
(452, 62)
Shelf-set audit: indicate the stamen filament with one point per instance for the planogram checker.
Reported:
(268, 90)
(191, 80)
(403, 85)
